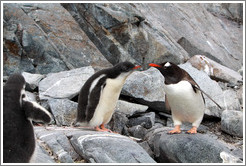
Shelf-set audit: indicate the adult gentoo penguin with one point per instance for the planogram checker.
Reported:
(18, 134)
(99, 94)
(184, 96)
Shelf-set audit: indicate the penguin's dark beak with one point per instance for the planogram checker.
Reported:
(136, 67)
(154, 65)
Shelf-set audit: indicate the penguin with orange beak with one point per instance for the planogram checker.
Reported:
(183, 95)
(99, 95)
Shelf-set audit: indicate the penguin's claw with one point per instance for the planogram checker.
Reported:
(193, 130)
(176, 130)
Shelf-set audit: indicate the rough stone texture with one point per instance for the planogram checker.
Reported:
(215, 70)
(146, 120)
(231, 100)
(148, 86)
(198, 31)
(137, 131)
(129, 108)
(185, 148)
(32, 80)
(41, 156)
(118, 123)
(66, 84)
(232, 11)
(44, 38)
(121, 32)
(64, 111)
(103, 147)
(232, 122)
(55, 140)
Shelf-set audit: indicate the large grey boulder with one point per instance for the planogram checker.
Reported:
(101, 147)
(185, 148)
(215, 70)
(232, 122)
(63, 110)
(66, 84)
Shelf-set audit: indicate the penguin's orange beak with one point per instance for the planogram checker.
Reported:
(154, 65)
(136, 67)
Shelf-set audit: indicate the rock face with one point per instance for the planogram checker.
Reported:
(66, 84)
(43, 38)
(232, 122)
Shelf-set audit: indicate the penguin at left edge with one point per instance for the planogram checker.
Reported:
(18, 113)
(98, 96)
(183, 95)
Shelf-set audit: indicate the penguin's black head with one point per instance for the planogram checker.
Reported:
(124, 68)
(170, 71)
(16, 80)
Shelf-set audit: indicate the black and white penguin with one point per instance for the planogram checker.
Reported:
(183, 95)
(18, 113)
(98, 96)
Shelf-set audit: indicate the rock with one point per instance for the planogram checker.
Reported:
(31, 96)
(148, 89)
(137, 131)
(129, 108)
(121, 32)
(101, 147)
(209, 86)
(146, 120)
(47, 39)
(66, 84)
(197, 31)
(228, 158)
(232, 122)
(215, 70)
(64, 111)
(231, 100)
(118, 123)
(186, 148)
(32, 80)
(146, 147)
(56, 141)
(41, 156)
(233, 11)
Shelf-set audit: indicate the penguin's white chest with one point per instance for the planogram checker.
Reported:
(186, 105)
(107, 102)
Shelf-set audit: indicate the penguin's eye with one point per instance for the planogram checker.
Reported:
(23, 95)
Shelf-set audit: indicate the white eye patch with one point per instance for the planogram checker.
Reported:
(167, 64)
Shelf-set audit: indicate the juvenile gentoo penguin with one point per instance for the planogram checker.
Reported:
(184, 96)
(99, 94)
(18, 133)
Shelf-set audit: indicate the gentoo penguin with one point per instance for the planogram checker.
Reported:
(18, 133)
(99, 94)
(184, 96)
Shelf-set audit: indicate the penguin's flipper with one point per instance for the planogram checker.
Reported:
(95, 97)
(36, 112)
(198, 88)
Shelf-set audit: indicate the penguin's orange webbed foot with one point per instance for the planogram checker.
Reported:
(176, 130)
(193, 130)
